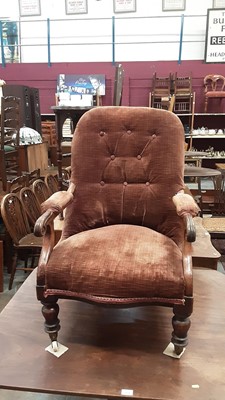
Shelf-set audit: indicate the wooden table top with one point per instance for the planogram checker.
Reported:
(190, 171)
(114, 349)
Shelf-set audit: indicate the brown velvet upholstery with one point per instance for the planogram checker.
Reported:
(123, 242)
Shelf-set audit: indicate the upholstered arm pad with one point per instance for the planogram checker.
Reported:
(187, 208)
(57, 201)
(185, 204)
(52, 207)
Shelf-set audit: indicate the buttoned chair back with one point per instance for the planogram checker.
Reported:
(121, 165)
(124, 239)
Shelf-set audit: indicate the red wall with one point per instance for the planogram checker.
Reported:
(137, 81)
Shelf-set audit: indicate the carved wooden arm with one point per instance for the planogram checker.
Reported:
(52, 207)
(187, 208)
(44, 226)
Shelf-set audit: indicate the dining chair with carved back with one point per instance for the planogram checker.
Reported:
(40, 190)
(26, 246)
(51, 182)
(31, 205)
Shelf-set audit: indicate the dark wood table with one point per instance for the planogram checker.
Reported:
(61, 114)
(114, 349)
(200, 172)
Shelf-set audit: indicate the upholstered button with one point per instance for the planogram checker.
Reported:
(129, 132)
(139, 157)
(147, 183)
(153, 136)
(125, 183)
(102, 183)
(101, 133)
(112, 157)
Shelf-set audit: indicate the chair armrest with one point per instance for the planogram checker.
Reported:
(58, 201)
(190, 228)
(52, 207)
(185, 204)
(187, 208)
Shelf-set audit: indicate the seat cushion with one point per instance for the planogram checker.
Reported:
(114, 263)
(215, 94)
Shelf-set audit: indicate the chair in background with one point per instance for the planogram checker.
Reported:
(52, 183)
(16, 184)
(65, 178)
(128, 224)
(10, 127)
(30, 205)
(214, 89)
(32, 176)
(161, 94)
(25, 244)
(13, 186)
(118, 85)
(183, 92)
(40, 190)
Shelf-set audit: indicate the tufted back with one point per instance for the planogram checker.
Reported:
(127, 163)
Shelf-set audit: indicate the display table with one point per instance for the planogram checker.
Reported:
(115, 349)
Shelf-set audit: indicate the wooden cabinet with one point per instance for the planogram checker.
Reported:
(33, 156)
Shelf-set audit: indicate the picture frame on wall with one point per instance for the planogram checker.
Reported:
(76, 7)
(29, 8)
(173, 5)
(219, 4)
(124, 6)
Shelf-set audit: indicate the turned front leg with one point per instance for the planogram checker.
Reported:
(50, 311)
(181, 324)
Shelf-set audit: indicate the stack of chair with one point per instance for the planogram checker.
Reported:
(10, 128)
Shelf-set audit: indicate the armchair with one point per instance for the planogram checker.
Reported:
(128, 225)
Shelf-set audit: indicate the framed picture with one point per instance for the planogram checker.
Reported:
(215, 39)
(76, 7)
(173, 5)
(29, 8)
(218, 3)
(123, 6)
